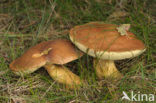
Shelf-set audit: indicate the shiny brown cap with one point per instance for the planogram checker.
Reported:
(56, 52)
(63, 51)
(100, 37)
(27, 63)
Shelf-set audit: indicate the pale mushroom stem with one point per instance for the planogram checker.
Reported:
(106, 69)
(63, 75)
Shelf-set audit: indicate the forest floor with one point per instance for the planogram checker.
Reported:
(24, 23)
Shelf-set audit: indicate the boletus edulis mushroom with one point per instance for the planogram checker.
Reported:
(48, 54)
(107, 42)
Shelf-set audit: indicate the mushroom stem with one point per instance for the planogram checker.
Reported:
(106, 69)
(63, 75)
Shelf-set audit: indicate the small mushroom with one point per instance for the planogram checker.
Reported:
(106, 42)
(48, 54)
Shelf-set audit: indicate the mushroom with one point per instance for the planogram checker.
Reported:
(28, 63)
(47, 54)
(107, 42)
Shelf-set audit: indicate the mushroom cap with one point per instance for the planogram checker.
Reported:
(63, 51)
(56, 52)
(104, 41)
(27, 63)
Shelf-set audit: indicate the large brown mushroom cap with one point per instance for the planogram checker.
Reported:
(55, 52)
(103, 40)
